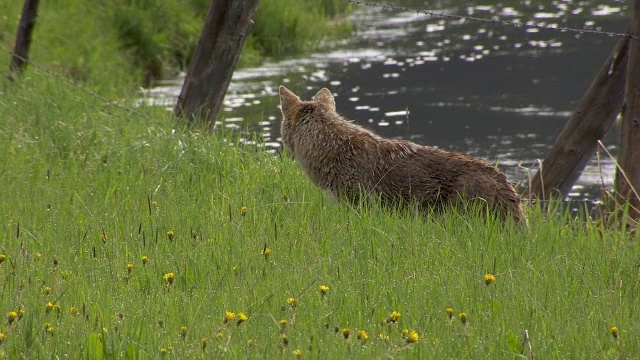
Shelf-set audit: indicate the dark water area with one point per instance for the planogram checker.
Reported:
(495, 91)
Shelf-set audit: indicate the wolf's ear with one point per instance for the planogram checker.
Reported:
(325, 98)
(289, 103)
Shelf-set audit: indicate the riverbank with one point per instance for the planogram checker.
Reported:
(125, 235)
(140, 42)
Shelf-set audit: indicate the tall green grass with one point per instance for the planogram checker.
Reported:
(89, 190)
(142, 41)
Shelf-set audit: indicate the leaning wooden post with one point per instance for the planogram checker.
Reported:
(209, 74)
(20, 56)
(627, 181)
(591, 120)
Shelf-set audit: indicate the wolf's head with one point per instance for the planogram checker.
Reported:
(296, 112)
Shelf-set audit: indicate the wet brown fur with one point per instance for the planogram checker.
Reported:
(347, 160)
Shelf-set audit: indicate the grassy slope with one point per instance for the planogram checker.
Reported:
(72, 167)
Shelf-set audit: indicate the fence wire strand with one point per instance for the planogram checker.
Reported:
(72, 82)
(495, 20)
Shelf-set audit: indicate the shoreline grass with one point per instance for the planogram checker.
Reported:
(100, 206)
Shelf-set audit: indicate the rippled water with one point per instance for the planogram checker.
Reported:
(490, 90)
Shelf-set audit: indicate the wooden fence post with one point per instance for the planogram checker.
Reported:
(591, 120)
(627, 186)
(20, 56)
(211, 68)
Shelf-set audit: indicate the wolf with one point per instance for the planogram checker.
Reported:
(349, 161)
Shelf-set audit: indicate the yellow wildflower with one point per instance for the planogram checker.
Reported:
(285, 340)
(228, 316)
(324, 289)
(395, 315)
(21, 314)
(243, 210)
(48, 306)
(169, 277)
(46, 290)
(614, 332)
(404, 333)
(129, 268)
(145, 259)
(449, 313)
(38, 256)
(297, 353)
(13, 315)
(74, 310)
(489, 278)
(3, 257)
(283, 324)
(183, 331)
(3, 337)
(163, 351)
(51, 330)
(242, 317)
(363, 336)
(293, 302)
(382, 336)
(170, 235)
(345, 333)
(266, 251)
(413, 337)
(463, 318)
(219, 335)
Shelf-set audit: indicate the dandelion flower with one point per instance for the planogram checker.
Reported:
(363, 336)
(228, 316)
(170, 235)
(3, 337)
(614, 332)
(345, 333)
(266, 251)
(404, 333)
(183, 331)
(169, 277)
(283, 324)
(129, 268)
(297, 353)
(449, 313)
(293, 302)
(285, 340)
(38, 256)
(382, 336)
(51, 330)
(463, 318)
(13, 316)
(413, 337)
(46, 290)
(243, 210)
(489, 278)
(21, 314)
(3, 257)
(395, 315)
(219, 335)
(145, 260)
(48, 306)
(242, 317)
(324, 289)
(163, 351)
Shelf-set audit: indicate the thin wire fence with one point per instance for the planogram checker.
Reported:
(73, 83)
(493, 20)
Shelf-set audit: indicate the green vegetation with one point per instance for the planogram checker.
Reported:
(151, 39)
(124, 236)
